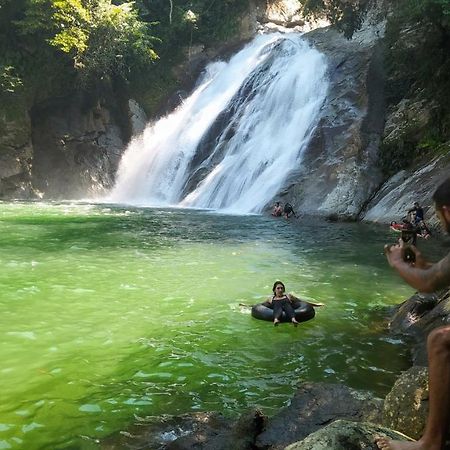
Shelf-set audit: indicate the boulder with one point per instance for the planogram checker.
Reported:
(397, 195)
(406, 406)
(346, 435)
(313, 406)
(418, 316)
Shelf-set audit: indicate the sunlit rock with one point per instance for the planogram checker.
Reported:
(345, 435)
(406, 406)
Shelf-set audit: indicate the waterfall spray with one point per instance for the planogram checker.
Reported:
(233, 142)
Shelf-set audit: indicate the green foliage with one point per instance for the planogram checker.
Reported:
(9, 81)
(347, 15)
(53, 45)
(101, 39)
(180, 25)
(188, 22)
(418, 64)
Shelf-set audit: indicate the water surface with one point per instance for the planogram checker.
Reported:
(107, 313)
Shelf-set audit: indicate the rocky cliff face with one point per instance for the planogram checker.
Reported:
(70, 148)
(413, 116)
(16, 154)
(338, 172)
(76, 148)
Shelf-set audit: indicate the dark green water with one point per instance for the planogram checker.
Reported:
(108, 312)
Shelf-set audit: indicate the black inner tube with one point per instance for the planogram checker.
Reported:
(303, 311)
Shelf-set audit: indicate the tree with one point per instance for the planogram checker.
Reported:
(91, 39)
(347, 15)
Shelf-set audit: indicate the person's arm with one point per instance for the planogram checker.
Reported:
(293, 298)
(421, 275)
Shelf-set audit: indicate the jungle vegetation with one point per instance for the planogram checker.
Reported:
(49, 47)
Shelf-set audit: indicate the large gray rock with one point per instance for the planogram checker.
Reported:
(411, 121)
(338, 172)
(418, 316)
(406, 406)
(397, 195)
(345, 435)
(313, 406)
(77, 145)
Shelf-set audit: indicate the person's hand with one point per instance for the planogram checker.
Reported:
(394, 252)
(395, 255)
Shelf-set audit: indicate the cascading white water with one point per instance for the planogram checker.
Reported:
(271, 93)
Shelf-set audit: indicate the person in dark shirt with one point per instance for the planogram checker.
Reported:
(416, 213)
(288, 211)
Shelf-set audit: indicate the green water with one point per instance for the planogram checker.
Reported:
(108, 313)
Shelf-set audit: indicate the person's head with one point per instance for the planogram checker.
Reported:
(277, 203)
(441, 199)
(278, 286)
(416, 204)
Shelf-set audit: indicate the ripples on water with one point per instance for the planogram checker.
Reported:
(108, 312)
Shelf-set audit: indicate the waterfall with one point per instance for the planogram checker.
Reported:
(231, 145)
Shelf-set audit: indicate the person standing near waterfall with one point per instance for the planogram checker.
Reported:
(427, 277)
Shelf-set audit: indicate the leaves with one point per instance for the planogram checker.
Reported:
(347, 15)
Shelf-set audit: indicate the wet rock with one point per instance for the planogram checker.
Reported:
(199, 431)
(406, 406)
(418, 316)
(314, 406)
(77, 145)
(157, 432)
(238, 436)
(345, 435)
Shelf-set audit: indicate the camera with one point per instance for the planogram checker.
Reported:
(408, 254)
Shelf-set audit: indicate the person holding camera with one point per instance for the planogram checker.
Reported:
(429, 277)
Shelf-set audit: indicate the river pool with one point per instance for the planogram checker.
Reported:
(109, 312)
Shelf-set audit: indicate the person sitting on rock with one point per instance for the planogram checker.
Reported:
(428, 277)
(423, 230)
(288, 211)
(277, 210)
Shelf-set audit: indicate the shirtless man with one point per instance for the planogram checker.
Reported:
(277, 210)
(428, 277)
